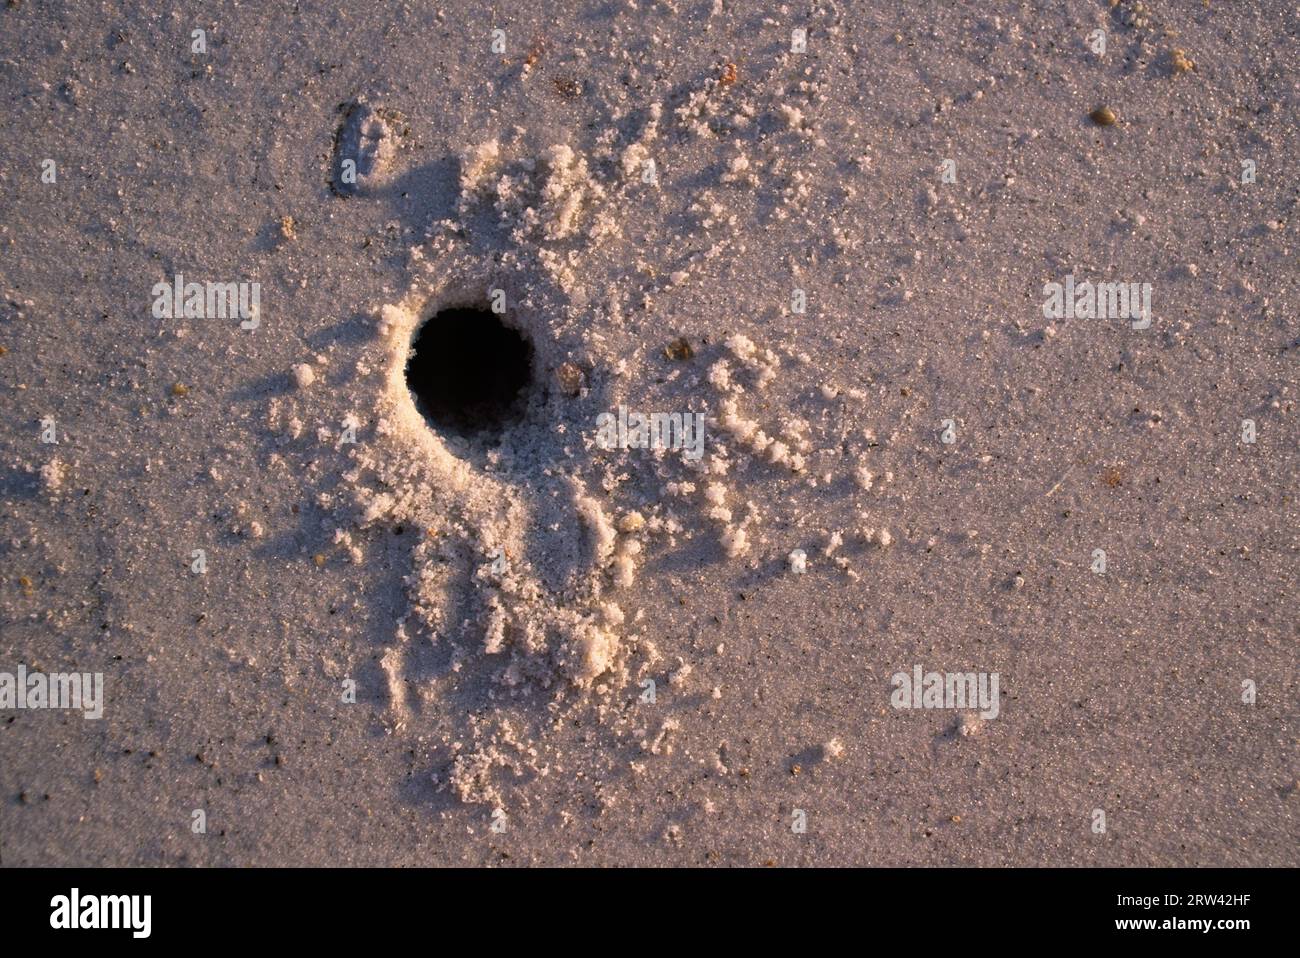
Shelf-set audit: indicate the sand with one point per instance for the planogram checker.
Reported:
(349, 635)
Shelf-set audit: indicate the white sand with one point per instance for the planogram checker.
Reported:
(608, 649)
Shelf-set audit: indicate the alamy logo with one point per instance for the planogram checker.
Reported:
(58, 690)
(182, 300)
(656, 430)
(1071, 300)
(103, 911)
(947, 690)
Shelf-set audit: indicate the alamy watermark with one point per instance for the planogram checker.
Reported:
(656, 430)
(181, 300)
(58, 690)
(75, 910)
(1086, 300)
(947, 690)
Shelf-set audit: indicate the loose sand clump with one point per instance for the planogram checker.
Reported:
(540, 201)
(52, 477)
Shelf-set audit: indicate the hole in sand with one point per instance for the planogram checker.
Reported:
(469, 372)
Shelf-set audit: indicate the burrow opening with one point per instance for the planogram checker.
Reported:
(469, 372)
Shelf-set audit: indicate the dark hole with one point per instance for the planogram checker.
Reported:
(468, 372)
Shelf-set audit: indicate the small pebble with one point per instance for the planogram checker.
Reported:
(1103, 116)
(679, 349)
(570, 378)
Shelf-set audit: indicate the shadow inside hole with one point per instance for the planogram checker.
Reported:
(469, 373)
